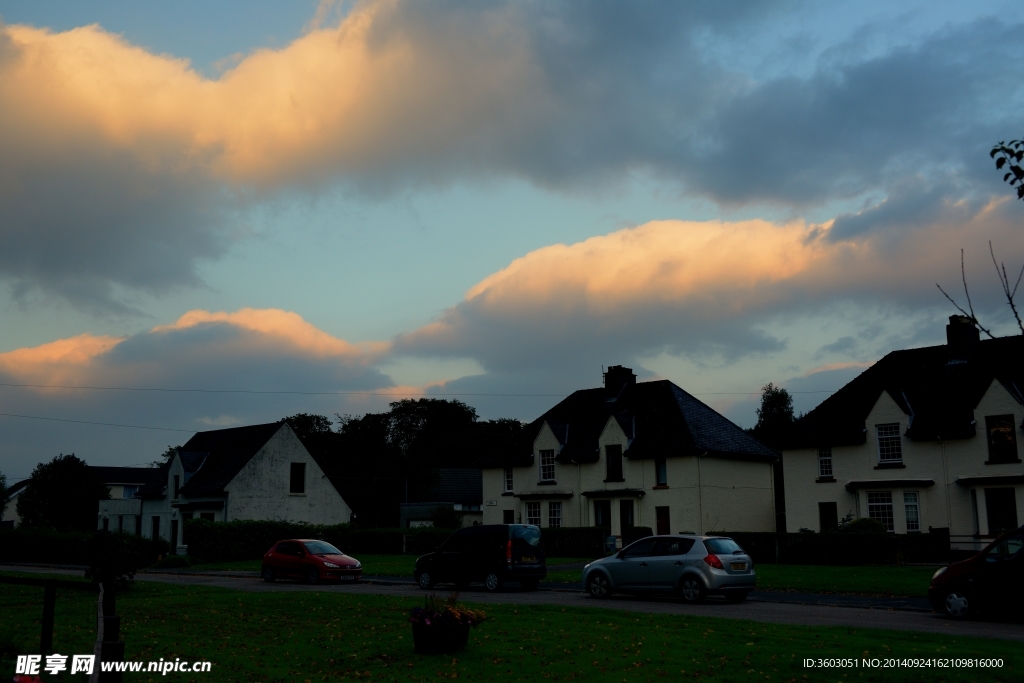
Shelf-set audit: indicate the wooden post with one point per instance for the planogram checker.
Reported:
(49, 600)
(111, 648)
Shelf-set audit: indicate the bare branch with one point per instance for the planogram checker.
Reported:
(1004, 281)
(966, 314)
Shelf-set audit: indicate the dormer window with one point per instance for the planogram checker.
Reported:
(1002, 439)
(129, 491)
(547, 465)
(825, 462)
(508, 480)
(613, 462)
(889, 447)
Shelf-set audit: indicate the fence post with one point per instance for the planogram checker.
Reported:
(49, 600)
(111, 648)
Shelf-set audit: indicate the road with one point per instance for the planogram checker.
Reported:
(761, 607)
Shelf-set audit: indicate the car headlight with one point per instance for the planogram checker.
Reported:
(359, 565)
(938, 573)
(586, 566)
(331, 565)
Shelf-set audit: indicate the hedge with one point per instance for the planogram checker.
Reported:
(250, 539)
(587, 541)
(27, 544)
(835, 548)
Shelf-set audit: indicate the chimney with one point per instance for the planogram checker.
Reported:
(618, 377)
(961, 336)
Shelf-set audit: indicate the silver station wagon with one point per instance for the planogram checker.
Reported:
(692, 567)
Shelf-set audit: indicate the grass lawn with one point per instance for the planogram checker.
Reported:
(868, 580)
(310, 636)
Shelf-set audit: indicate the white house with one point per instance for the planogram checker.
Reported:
(924, 438)
(633, 454)
(255, 472)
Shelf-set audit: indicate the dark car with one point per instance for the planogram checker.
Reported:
(991, 581)
(491, 554)
(309, 560)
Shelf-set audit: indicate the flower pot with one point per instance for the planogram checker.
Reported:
(438, 639)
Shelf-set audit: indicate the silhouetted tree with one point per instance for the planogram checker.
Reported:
(775, 416)
(62, 494)
(1009, 155)
(165, 457)
(306, 424)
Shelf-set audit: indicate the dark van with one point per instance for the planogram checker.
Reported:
(491, 554)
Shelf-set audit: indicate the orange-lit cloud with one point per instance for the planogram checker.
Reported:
(58, 361)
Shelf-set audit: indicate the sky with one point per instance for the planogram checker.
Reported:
(218, 215)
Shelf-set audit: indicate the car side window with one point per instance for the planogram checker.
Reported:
(1008, 548)
(456, 543)
(643, 548)
(673, 546)
(287, 548)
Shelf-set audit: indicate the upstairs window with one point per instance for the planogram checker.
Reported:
(880, 508)
(547, 466)
(297, 483)
(1002, 438)
(508, 480)
(889, 448)
(825, 462)
(660, 472)
(129, 491)
(613, 459)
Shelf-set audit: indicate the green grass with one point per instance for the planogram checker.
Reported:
(237, 565)
(866, 580)
(313, 636)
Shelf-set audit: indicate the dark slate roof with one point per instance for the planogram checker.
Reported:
(455, 485)
(224, 453)
(141, 476)
(659, 419)
(936, 388)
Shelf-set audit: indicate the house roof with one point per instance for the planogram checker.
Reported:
(220, 454)
(455, 485)
(658, 418)
(937, 386)
(135, 476)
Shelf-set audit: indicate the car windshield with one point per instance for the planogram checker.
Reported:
(722, 546)
(321, 548)
(530, 534)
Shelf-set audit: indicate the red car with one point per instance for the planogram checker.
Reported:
(991, 581)
(309, 560)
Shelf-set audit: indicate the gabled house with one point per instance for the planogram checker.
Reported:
(255, 472)
(633, 454)
(924, 438)
(11, 519)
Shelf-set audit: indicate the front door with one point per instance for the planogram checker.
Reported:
(174, 536)
(661, 516)
(631, 571)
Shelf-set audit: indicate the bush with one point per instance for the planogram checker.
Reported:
(116, 557)
(864, 525)
(845, 549)
(173, 562)
(587, 542)
(635, 533)
(446, 517)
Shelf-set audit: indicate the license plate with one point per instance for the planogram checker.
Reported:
(739, 566)
(350, 577)
(528, 559)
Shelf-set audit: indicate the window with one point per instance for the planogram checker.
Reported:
(120, 523)
(880, 508)
(106, 524)
(828, 516)
(298, 478)
(174, 535)
(613, 459)
(547, 465)
(554, 515)
(156, 527)
(1001, 506)
(626, 513)
(185, 516)
(913, 511)
(129, 491)
(642, 548)
(533, 513)
(673, 546)
(177, 485)
(508, 480)
(1002, 438)
(889, 449)
(603, 513)
(508, 516)
(825, 462)
(660, 472)
(661, 518)
(1007, 549)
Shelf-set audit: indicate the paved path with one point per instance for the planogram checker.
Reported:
(769, 607)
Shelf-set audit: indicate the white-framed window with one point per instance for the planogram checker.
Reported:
(554, 514)
(660, 472)
(533, 513)
(880, 508)
(508, 480)
(129, 491)
(913, 510)
(547, 465)
(889, 448)
(825, 462)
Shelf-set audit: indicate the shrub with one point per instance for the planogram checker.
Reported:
(116, 557)
(635, 533)
(587, 542)
(173, 562)
(864, 525)
(446, 517)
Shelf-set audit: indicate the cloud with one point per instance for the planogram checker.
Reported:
(122, 169)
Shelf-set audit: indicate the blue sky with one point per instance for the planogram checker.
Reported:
(371, 197)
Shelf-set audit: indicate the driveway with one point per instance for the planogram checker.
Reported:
(768, 607)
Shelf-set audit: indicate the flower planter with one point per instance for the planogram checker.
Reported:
(438, 639)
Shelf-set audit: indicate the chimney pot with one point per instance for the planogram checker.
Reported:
(617, 377)
(961, 337)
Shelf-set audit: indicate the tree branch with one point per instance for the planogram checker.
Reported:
(1004, 280)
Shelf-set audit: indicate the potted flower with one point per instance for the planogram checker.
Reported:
(442, 626)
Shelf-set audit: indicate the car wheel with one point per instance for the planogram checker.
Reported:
(738, 596)
(268, 575)
(312, 575)
(598, 586)
(692, 590)
(425, 581)
(492, 582)
(956, 605)
(530, 585)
